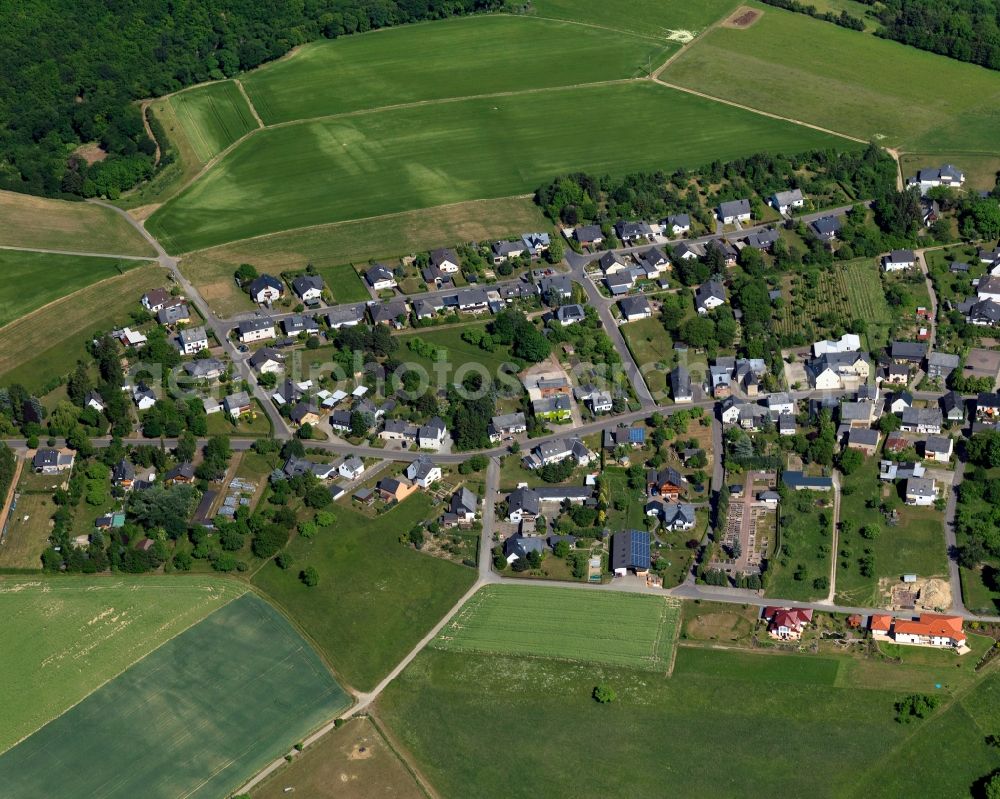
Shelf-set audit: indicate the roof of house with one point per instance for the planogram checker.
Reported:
(680, 220)
(862, 437)
(680, 382)
(508, 420)
(420, 468)
(713, 288)
(932, 624)
(791, 618)
(588, 233)
(908, 350)
(734, 207)
(630, 550)
(442, 254)
(570, 313)
(524, 499)
(463, 501)
(799, 480)
(506, 248)
(344, 314)
(378, 272)
(265, 281)
(389, 310)
(826, 226)
(265, 354)
(255, 325)
(922, 416)
(304, 283)
(634, 306)
(920, 487)
(788, 197)
(938, 444)
(901, 257)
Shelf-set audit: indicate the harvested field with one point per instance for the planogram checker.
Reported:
(743, 17)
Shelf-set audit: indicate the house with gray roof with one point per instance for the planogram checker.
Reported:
(193, 339)
(940, 365)
(898, 260)
(506, 250)
(570, 314)
(380, 277)
(389, 312)
(826, 228)
(299, 323)
(635, 308)
(680, 384)
(266, 288)
(308, 288)
(922, 420)
(589, 235)
(709, 296)
(346, 315)
(677, 224)
(734, 211)
(536, 243)
(506, 426)
(785, 201)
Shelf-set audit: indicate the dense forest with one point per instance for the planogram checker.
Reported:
(70, 71)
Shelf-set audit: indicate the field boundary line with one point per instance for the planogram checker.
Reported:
(77, 254)
(655, 74)
(118, 674)
(586, 25)
(353, 221)
(47, 305)
(397, 749)
(734, 104)
(253, 108)
(11, 491)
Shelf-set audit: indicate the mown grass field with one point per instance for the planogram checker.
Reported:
(33, 279)
(649, 17)
(63, 637)
(460, 354)
(376, 597)
(333, 248)
(455, 711)
(212, 117)
(587, 627)
(802, 68)
(29, 524)
(805, 542)
(46, 344)
(459, 57)
(193, 719)
(60, 225)
(406, 158)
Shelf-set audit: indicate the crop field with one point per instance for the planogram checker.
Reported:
(454, 711)
(460, 57)
(657, 18)
(34, 279)
(847, 81)
(406, 158)
(205, 710)
(585, 626)
(353, 762)
(212, 117)
(63, 637)
(43, 345)
(368, 581)
(60, 225)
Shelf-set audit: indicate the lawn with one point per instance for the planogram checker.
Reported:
(461, 57)
(650, 345)
(46, 345)
(29, 524)
(406, 158)
(353, 762)
(980, 169)
(376, 597)
(460, 354)
(455, 712)
(649, 17)
(34, 279)
(632, 513)
(582, 626)
(916, 544)
(206, 710)
(259, 424)
(805, 540)
(64, 637)
(331, 248)
(802, 68)
(212, 117)
(60, 225)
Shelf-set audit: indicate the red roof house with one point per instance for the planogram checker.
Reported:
(787, 624)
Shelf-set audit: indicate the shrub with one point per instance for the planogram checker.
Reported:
(604, 694)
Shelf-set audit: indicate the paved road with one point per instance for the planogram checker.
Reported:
(835, 539)
(490, 497)
(954, 572)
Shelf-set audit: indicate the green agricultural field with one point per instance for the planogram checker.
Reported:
(396, 160)
(461, 57)
(194, 719)
(657, 18)
(376, 597)
(460, 353)
(455, 711)
(33, 279)
(587, 626)
(332, 248)
(805, 541)
(59, 225)
(213, 117)
(802, 68)
(63, 637)
(45, 345)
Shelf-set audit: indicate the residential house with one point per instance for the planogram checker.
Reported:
(940, 365)
(901, 401)
(474, 300)
(505, 250)
(205, 369)
(680, 384)
(709, 296)
(395, 489)
(173, 313)
(123, 475)
(346, 315)
(635, 308)
(130, 338)
(920, 491)
(556, 289)
(678, 517)
(785, 201)
(299, 323)
(423, 471)
(863, 440)
(611, 263)
(536, 243)
(181, 473)
(953, 407)
(780, 403)
(898, 260)
(519, 546)
(899, 470)
(989, 289)
(143, 397)
(729, 253)
(734, 211)
(922, 420)
(985, 313)
(391, 312)
(268, 360)
(507, 426)
(432, 434)
(621, 436)
(798, 481)
(589, 235)
(841, 371)
(193, 339)
(826, 228)
(629, 552)
(931, 177)
(689, 251)
(620, 283)
(95, 401)
(909, 353)
(427, 307)
(939, 448)
(677, 224)
(352, 468)
(927, 629)
(557, 451)
(154, 300)
(556, 408)
(652, 262)
(598, 400)
(304, 412)
(257, 329)
(380, 277)
(958, 268)
(570, 314)
(265, 289)
(340, 421)
(523, 504)
(849, 342)
(787, 425)
(987, 407)
(461, 508)
(633, 233)
(237, 404)
(667, 483)
(52, 461)
(398, 430)
(787, 624)
(446, 260)
(308, 288)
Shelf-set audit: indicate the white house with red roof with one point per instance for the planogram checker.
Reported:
(928, 629)
(787, 624)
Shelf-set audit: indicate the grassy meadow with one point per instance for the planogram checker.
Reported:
(397, 160)
(34, 279)
(60, 225)
(802, 68)
(65, 636)
(212, 117)
(657, 18)
(587, 626)
(376, 597)
(832, 725)
(36, 348)
(460, 57)
(460, 353)
(805, 539)
(194, 719)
